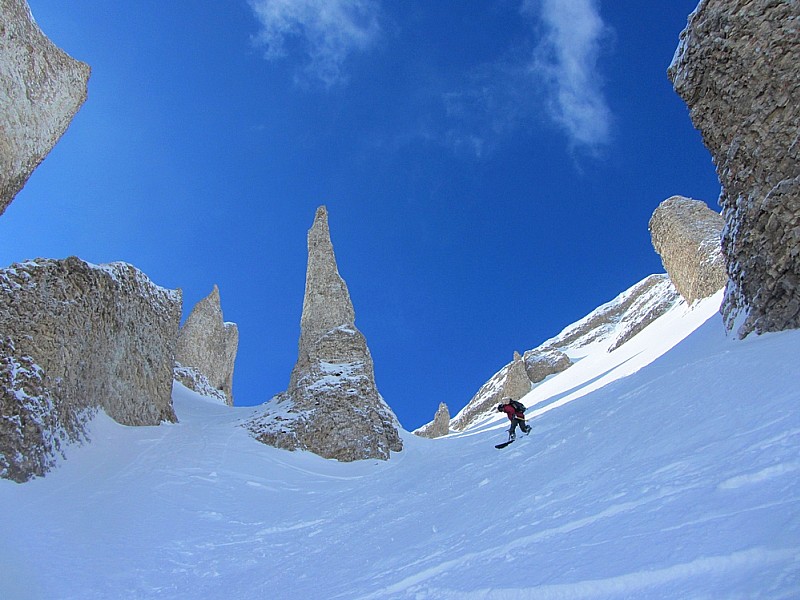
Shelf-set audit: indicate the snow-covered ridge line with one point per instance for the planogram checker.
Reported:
(607, 329)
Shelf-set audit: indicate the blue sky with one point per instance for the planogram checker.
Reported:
(489, 168)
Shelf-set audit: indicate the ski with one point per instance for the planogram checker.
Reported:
(504, 444)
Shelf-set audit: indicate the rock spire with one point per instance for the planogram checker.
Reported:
(332, 406)
(208, 344)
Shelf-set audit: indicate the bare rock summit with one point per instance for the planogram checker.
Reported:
(736, 67)
(687, 235)
(332, 406)
(206, 349)
(41, 90)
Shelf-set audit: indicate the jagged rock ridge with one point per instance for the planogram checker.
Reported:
(332, 406)
(41, 88)
(78, 337)
(206, 349)
(611, 325)
(736, 69)
(686, 234)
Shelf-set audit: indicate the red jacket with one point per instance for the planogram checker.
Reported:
(512, 413)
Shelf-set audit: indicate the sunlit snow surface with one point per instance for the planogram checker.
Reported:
(680, 480)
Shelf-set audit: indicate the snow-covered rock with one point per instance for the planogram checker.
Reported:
(78, 337)
(332, 406)
(41, 89)
(208, 344)
(195, 380)
(687, 236)
(34, 426)
(736, 69)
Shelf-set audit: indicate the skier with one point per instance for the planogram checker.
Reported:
(515, 415)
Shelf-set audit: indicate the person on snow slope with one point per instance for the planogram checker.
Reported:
(516, 415)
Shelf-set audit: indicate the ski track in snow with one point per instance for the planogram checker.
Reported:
(678, 481)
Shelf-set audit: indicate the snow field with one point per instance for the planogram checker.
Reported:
(677, 481)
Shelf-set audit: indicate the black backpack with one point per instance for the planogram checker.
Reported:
(518, 406)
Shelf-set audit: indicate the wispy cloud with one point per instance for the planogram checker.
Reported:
(494, 101)
(553, 76)
(566, 62)
(326, 31)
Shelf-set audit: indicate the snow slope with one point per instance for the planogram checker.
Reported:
(680, 480)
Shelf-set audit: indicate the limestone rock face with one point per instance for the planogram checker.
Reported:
(440, 426)
(736, 69)
(332, 406)
(77, 337)
(209, 345)
(686, 234)
(511, 381)
(41, 89)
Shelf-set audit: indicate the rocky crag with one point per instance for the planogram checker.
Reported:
(206, 349)
(332, 406)
(736, 69)
(76, 338)
(41, 90)
(439, 427)
(687, 235)
(610, 325)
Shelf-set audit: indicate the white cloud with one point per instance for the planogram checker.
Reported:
(554, 78)
(565, 61)
(327, 31)
(495, 101)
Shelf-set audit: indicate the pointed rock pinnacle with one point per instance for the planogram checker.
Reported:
(207, 344)
(326, 304)
(332, 407)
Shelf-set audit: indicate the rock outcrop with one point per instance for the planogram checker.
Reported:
(41, 90)
(511, 381)
(78, 337)
(439, 427)
(332, 406)
(612, 325)
(540, 364)
(736, 69)
(687, 235)
(207, 344)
